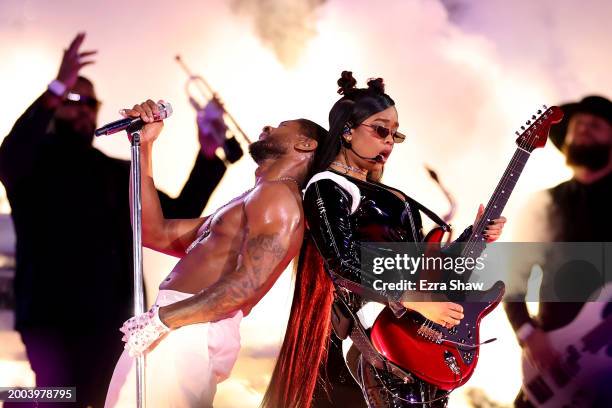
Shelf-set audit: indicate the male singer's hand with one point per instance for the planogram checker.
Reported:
(146, 111)
(493, 231)
(73, 61)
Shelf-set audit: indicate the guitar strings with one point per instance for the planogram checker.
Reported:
(512, 167)
(488, 210)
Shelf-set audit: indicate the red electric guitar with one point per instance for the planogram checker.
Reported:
(447, 357)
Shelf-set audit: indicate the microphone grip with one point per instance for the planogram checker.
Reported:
(116, 126)
(132, 124)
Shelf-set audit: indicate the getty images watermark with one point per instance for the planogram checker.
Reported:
(411, 265)
(561, 271)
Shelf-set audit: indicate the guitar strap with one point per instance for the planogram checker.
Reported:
(346, 324)
(432, 215)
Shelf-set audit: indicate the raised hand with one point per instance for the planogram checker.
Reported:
(73, 60)
(211, 127)
(147, 111)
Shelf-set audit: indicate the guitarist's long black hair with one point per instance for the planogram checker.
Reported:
(304, 348)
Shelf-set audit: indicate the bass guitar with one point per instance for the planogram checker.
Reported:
(585, 359)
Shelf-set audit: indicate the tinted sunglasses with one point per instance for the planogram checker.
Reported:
(383, 132)
(77, 99)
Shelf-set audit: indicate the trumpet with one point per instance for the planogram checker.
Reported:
(206, 94)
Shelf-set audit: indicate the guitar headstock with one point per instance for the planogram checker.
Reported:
(536, 134)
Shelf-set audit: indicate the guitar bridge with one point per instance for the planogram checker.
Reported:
(430, 333)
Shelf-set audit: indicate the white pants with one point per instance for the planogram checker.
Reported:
(184, 368)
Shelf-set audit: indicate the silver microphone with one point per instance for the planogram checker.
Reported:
(165, 111)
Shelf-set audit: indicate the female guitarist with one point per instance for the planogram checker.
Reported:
(344, 205)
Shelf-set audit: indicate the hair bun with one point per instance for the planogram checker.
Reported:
(346, 83)
(376, 85)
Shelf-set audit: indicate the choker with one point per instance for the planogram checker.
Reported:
(350, 168)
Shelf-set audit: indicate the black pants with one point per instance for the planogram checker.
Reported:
(338, 387)
(384, 390)
(84, 360)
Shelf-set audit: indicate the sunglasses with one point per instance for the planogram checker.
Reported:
(77, 99)
(383, 132)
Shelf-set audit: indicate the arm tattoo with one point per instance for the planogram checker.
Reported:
(262, 254)
(264, 249)
(233, 290)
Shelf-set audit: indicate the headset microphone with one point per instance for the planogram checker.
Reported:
(378, 158)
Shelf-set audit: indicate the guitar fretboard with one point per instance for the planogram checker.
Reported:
(477, 242)
(599, 337)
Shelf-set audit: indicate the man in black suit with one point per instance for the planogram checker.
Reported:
(70, 207)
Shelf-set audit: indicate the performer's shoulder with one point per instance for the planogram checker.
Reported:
(272, 196)
(343, 182)
(562, 188)
(326, 177)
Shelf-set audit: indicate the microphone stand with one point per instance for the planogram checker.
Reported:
(136, 211)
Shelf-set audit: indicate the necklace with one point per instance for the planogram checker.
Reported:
(350, 168)
(288, 179)
(208, 221)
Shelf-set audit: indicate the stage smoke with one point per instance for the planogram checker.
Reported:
(283, 26)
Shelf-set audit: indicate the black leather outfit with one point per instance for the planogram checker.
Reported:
(381, 216)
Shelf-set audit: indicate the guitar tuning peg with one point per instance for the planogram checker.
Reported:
(533, 117)
(517, 133)
(522, 127)
(528, 122)
(539, 111)
(545, 107)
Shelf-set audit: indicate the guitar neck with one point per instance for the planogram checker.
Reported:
(477, 242)
(598, 337)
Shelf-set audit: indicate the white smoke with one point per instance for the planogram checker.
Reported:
(565, 40)
(285, 26)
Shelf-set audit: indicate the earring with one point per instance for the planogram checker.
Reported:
(346, 130)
